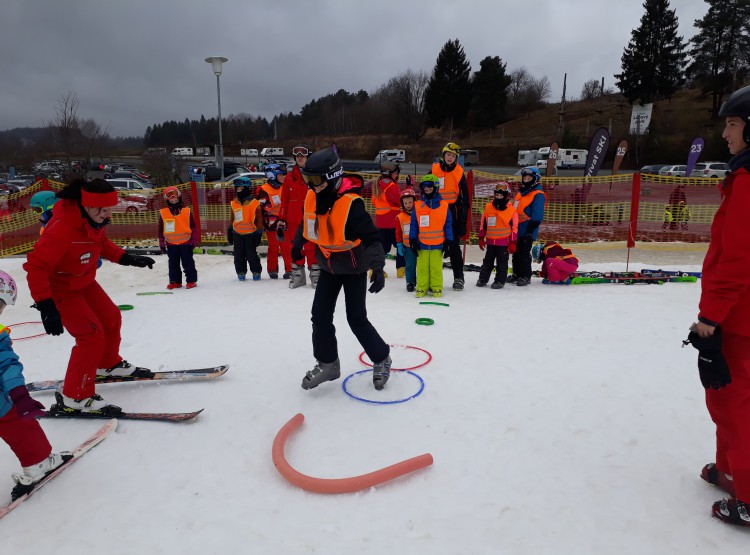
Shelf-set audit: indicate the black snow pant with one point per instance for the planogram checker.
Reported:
(522, 256)
(181, 253)
(246, 251)
(456, 258)
(495, 255)
(325, 347)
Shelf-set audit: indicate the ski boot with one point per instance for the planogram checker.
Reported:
(732, 511)
(481, 282)
(410, 287)
(421, 293)
(458, 284)
(314, 275)
(713, 475)
(287, 275)
(273, 275)
(298, 276)
(256, 276)
(35, 473)
(94, 405)
(400, 272)
(191, 284)
(173, 285)
(512, 278)
(124, 368)
(523, 281)
(323, 372)
(241, 277)
(497, 285)
(381, 371)
(437, 293)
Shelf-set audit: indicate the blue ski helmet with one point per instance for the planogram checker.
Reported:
(534, 172)
(43, 201)
(274, 170)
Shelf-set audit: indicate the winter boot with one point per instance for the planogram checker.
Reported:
(273, 275)
(241, 277)
(34, 474)
(713, 475)
(522, 281)
(298, 276)
(191, 284)
(410, 287)
(94, 405)
(124, 368)
(323, 372)
(481, 282)
(400, 272)
(497, 285)
(512, 278)
(173, 285)
(458, 284)
(287, 275)
(732, 511)
(314, 275)
(256, 276)
(381, 371)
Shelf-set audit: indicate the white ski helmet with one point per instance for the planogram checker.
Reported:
(8, 289)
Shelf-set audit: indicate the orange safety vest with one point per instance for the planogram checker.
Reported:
(522, 201)
(404, 220)
(382, 207)
(327, 230)
(499, 222)
(176, 228)
(275, 196)
(244, 216)
(449, 181)
(431, 222)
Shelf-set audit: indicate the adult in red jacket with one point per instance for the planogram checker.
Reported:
(293, 192)
(722, 333)
(386, 197)
(62, 279)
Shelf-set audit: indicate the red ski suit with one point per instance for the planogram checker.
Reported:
(293, 193)
(725, 299)
(62, 267)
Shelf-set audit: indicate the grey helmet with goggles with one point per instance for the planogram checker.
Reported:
(387, 168)
(323, 166)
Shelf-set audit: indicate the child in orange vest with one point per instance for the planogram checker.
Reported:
(498, 233)
(246, 229)
(178, 236)
(430, 235)
(557, 263)
(403, 245)
(269, 197)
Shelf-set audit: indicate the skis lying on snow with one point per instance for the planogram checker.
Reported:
(624, 277)
(77, 453)
(143, 375)
(671, 272)
(58, 410)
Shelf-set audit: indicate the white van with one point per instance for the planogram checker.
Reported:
(391, 156)
(248, 152)
(271, 152)
(182, 151)
(528, 157)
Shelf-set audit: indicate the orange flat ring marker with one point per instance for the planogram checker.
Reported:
(337, 485)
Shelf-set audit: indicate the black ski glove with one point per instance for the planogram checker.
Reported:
(530, 228)
(712, 367)
(447, 249)
(50, 316)
(377, 278)
(136, 260)
(230, 235)
(279, 234)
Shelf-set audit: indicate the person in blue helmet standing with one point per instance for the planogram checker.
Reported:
(530, 202)
(269, 196)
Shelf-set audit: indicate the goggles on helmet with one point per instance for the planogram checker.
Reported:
(170, 194)
(301, 151)
(38, 209)
(501, 188)
(452, 147)
(313, 181)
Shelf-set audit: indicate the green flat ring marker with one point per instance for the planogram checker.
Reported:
(433, 302)
(425, 321)
(125, 306)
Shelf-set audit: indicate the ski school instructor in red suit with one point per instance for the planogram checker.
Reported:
(62, 280)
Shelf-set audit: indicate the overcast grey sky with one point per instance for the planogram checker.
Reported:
(133, 63)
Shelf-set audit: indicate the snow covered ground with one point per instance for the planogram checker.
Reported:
(560, 419)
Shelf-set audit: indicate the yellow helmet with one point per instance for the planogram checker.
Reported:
(452, 147)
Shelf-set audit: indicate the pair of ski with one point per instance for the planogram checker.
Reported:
(58, 411)
(630, 280)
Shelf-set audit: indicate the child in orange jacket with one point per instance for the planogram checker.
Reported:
(498, 233)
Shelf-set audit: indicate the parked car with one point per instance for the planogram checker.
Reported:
(710, 169)
(223, 194)
(132, 204)
(675, 171)
(129, 175)
(129, 184)
(653, 169)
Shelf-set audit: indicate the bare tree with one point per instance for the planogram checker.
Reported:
(520, 79)
(407, 95)
(93, 137)
(65, 123)
(591, 89)
(540, 90)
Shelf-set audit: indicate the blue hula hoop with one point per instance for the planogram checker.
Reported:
(353, 396)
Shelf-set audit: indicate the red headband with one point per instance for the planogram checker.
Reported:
(99, 200)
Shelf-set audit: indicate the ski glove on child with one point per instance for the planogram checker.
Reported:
(25, 406)
(712, 367)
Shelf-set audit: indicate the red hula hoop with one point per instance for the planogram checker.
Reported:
(425, 363)
(11, 326)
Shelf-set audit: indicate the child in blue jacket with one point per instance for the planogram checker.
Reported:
(18, 427)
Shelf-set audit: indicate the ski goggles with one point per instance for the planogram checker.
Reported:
(313, 181)
(300, 151)
(37, 209)
(172, 194)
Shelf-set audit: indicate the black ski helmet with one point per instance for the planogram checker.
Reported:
(321, 166)
(738, 104)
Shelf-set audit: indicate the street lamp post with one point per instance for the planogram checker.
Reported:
(216, 62)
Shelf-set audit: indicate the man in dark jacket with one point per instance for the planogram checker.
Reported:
(347, 245)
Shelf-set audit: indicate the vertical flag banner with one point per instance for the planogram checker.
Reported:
(597, 152)
(622, 149)
(695, 152)
(552, 160)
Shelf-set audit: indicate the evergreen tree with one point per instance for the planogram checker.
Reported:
(721, 48)
(654, 61)
(448, 93)
(489, 93)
